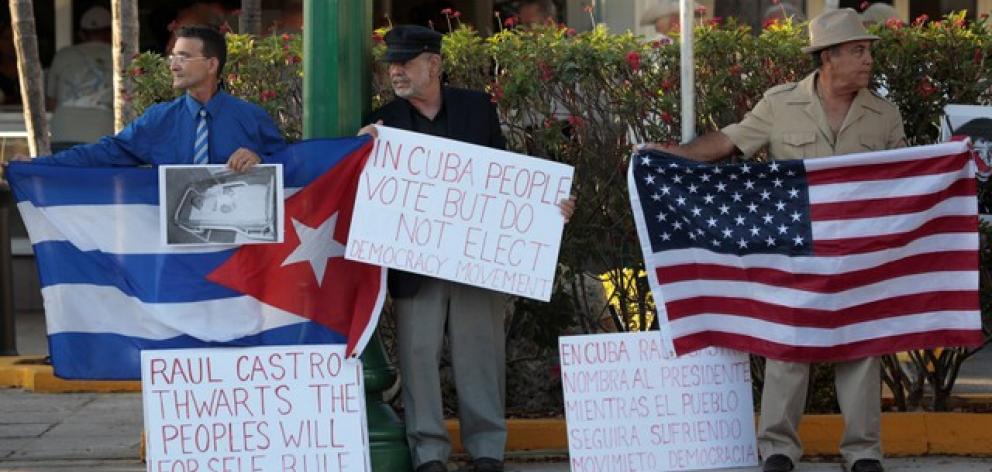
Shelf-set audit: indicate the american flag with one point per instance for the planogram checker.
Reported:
(823, 259)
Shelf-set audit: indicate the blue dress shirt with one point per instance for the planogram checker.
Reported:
(164, 134)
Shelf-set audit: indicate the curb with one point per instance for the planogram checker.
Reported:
(903, 434)
(31, 373)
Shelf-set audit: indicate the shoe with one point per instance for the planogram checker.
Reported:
(486, 464)
(777, 463)
(867, 465)
(432, 466)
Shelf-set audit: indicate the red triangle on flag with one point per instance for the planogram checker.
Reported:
(348, 297)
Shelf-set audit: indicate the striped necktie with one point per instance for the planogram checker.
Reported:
(201, 147)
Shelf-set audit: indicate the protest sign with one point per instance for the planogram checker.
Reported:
(274, 408)
(631, 407)
(460, 212)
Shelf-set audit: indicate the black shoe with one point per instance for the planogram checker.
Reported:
(777, 463)
(867, 465)
(432, 466)
(486, 464)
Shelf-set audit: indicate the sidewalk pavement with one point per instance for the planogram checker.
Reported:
(101, 432)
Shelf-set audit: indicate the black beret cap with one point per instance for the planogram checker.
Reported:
(405, 42)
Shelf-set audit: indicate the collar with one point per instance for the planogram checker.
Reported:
(213, 106)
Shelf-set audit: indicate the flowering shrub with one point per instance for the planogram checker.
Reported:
(267, 71)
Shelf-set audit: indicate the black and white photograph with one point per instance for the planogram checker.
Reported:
(206, 205)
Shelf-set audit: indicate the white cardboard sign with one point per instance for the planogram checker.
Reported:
(273, 408)
(460, 212)
(630, 407)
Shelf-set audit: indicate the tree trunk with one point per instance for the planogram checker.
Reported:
(29, 73)
(250, 21)
(125, 47)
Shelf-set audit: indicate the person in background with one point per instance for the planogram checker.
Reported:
(831, 112)
(536, 12)
(79, 84)
(664, 15)
(878, 13)
(203, 126)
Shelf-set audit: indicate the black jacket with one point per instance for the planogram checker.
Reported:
(471, 118)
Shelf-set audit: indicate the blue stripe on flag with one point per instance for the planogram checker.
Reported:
(302, 162)
(49, 185)
(117, 357)
(152, 278)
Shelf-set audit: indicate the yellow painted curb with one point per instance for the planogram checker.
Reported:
(903, 434)
(29, 373)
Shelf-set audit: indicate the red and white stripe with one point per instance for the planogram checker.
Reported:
(895, 267)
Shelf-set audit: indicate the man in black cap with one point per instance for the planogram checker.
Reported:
(424, 306)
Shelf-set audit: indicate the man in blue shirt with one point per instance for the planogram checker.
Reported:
(205, 125)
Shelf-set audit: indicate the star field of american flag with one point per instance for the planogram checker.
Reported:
(747, 208)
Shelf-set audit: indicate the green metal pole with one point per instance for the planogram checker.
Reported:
(337, 91)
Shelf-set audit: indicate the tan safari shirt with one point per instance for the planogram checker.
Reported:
(791, 121)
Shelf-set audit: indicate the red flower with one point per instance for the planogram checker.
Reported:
(925, 88)
(232, 77)
(377, 38)
(864, 5)
(294, 59)
(267, 95)
(656, 44)
(456, 14)
(769, 23)
(497, 93)
(960, 22)
(921, 19)
(894, 23)
(225, 28)
(634, 60)
(576, 121)
(700, 10)
(667, 117)
(776, 2)
(548, 123)
(286, 37)
(571, 32)
(715, 21)
(510, 22)
(547, 73)
(736, 69)
(447, 12)
(667, 85)
(137, 72)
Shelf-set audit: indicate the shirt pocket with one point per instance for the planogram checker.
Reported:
(797, 145)
(872, 142)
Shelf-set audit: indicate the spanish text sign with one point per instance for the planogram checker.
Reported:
(460, 212)
(629, 407)
(274, 408)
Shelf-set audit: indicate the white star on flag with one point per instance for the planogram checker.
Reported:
(317, 245)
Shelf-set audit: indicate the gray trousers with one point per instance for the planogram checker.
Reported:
(474, 319)
(784, 397)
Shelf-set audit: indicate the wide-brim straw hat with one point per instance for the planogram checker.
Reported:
(836, 27)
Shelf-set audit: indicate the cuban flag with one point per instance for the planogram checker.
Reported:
(111, 287)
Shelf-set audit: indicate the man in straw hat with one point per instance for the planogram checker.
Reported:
(830, 112)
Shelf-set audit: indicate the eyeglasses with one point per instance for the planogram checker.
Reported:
(177, 59)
